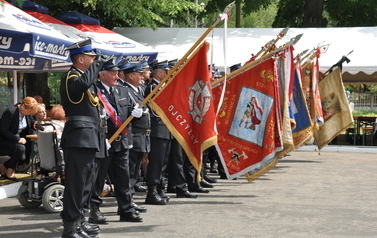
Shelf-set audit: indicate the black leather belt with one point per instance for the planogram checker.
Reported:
(82, 118)
(142, 131)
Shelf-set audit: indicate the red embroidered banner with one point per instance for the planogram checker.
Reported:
(185, 104)
(249, 125)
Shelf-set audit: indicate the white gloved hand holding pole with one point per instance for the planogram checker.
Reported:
(108, 145)
(137, 112)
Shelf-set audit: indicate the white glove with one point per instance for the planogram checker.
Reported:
(137, 112)
(108, 145)
(146, 111)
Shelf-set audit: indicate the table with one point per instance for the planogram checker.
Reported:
(33, 137)
(361, 122)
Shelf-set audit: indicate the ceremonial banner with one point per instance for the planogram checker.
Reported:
(310, 76)
(336, 110)
(248, 125)
(303, 125)
(185, 104)
(286, 76)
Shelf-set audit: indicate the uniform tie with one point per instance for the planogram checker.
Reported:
(139, 91)
(112, 98)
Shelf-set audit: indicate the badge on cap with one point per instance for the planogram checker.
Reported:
(161, 65)
(132, 67)
(82, 47)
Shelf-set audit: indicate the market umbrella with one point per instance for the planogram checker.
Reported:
(130, 49)
(27, 44)
(42, 13)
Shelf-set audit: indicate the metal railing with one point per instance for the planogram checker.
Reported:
(364, 101)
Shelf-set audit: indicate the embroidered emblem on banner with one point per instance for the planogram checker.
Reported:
(199, 101)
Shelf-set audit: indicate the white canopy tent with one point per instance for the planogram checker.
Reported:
(173, 43)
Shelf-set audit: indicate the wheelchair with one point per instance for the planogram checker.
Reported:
(47, 185)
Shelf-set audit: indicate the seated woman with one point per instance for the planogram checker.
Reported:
(57, 116)
(40, 116)
(15, 123)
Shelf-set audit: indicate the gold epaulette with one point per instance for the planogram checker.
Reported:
(94, 100)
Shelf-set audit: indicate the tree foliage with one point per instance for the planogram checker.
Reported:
(352, 13)
(256, 13)
(336, 13)
(307, 13)
(131, 13)
(158, 13)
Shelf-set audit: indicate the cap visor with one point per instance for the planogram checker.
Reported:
(89, 53)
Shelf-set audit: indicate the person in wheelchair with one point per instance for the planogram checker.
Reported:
(41, 115)
(57, 116)
(55, 124)
(15, 123)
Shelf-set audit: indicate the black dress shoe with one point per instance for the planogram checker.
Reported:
(209, 179)
(198, 189)
(95, 215)
(136, 212)
(163, 194)
(139, 188)
(186, 194)
(90, 228)
(82, 234)
(138, 208)
(130, 217)
(155, 199)
(205, 184)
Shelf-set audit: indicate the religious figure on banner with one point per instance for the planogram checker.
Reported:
(250, 114)
(252, 117)
(330, 106)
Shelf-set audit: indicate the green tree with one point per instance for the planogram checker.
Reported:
(126, 13)
(351, 13)
(263, 18)
(302, 13)
(320, 13)
(242, 10)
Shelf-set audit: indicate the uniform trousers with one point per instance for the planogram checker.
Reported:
(158, 159)
(190, 173)
(119, 174)
(99, 183)
(177, 179)
(135, 166)
(80, 173)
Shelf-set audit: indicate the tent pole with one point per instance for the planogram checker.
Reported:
(15, 91)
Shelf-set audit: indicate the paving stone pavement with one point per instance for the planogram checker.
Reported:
(308, 194)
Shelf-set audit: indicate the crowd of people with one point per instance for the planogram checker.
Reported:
(97, 96)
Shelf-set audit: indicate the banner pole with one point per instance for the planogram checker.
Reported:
(269, 45)
(259, 60)
(174, 69)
